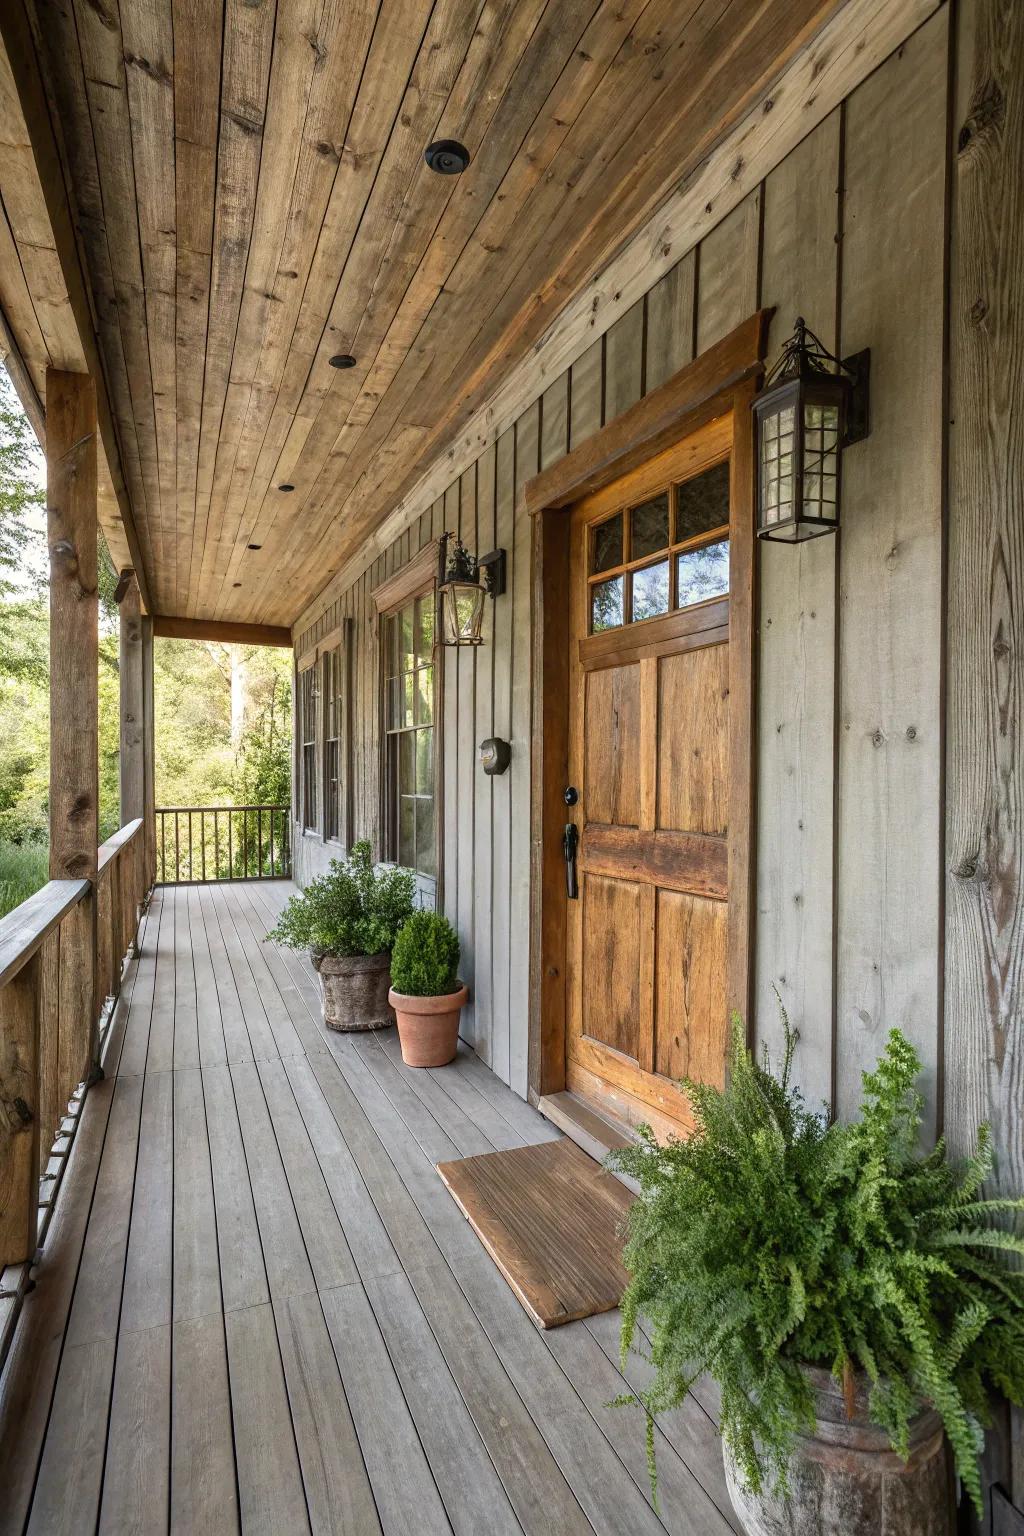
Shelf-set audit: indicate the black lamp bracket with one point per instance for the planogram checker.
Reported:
(456, 563)
(492, 571)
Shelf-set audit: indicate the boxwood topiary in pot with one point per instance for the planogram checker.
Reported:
(348, 919)
(426, 993)
(852, 1295)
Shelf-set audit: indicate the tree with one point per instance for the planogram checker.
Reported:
(22, 577)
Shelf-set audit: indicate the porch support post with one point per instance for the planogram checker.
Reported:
(74, 691)
(148, 752)
(133, 720)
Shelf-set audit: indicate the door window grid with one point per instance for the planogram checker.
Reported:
(307, 725)
(638, 572)
(409, 707)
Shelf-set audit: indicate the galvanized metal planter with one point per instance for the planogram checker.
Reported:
(847, 1478)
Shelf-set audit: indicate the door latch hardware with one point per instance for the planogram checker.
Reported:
(570, 843)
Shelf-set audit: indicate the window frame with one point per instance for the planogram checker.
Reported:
(335, 660)
(390, 797)
(307, 712)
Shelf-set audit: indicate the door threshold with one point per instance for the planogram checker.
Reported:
(594, 1132)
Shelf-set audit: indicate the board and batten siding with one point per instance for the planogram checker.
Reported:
(850, 230)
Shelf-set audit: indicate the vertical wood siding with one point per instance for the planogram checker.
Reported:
(849, 231)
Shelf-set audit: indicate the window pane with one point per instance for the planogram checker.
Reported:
(407, 831)
(650, 590)
(426, 858)
(648, 528)
(607, 544)
(606, 604)
(702, 573)
(424, 629)
(407, 763)
(702, 504)
(424, 762)
(408, 685)
(406, 622)
(424, 695)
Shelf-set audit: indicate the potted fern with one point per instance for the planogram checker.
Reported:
(852, 1295)
(348, 920)
(426, 993)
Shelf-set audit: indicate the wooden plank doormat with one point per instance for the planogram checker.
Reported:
(551, 1219)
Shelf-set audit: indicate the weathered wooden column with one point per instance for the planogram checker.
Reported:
(133, 713)
(148, 752)
(74, 697)
(984, 952)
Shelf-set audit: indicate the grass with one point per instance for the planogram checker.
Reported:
(23, 869)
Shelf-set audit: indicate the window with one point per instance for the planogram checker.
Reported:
(409, 723)
(307, 737)
(667, 552)
(334, 726)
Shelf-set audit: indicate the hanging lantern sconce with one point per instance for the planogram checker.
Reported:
(812, 405)
(463, 582)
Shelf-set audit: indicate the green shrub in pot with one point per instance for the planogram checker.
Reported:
(425, 957)
(348, 919)
(426, 993)
(773, 1240)
(355, 908)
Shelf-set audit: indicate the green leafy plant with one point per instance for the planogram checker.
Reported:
(773, 1239)
(352, 909)
(425, 959)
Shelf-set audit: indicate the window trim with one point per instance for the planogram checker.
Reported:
(338, 643)
(417, 579)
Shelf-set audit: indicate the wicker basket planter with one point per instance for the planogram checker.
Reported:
(354, 991)
(846, 1477)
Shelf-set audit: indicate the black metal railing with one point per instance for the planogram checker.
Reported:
(199, 843)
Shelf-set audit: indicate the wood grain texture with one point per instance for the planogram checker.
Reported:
(983, 758)
(549, 1218)
(890, 729)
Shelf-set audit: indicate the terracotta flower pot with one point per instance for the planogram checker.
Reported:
(428, 1027)
(846, 1476)
(354, 991)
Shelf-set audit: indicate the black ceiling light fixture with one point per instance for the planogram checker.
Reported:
(254, 546)
(447, 157)
(286, 486)
(236, 583)
(343, 360)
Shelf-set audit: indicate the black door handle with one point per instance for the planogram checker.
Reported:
(569, 844)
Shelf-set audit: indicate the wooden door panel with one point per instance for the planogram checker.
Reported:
(610, 979)
(679, 861)
(690, 1002)
(612, 744)
(693, 746)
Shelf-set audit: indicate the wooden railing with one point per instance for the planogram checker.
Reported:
(199, 843)
(62, 954)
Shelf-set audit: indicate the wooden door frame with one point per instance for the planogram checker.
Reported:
(722, 379)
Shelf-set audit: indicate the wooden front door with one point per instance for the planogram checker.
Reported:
(649, 769)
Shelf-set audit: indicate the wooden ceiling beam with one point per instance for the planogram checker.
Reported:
(16, 37)
(166, 627)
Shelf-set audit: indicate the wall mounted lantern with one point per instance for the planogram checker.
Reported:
(463, 582)
(811, 406)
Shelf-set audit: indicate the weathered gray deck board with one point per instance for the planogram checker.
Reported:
(259, 1309)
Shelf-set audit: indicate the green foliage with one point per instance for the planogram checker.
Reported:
(772, 1238)
(353, 909)
(425, 959)
(24, 868)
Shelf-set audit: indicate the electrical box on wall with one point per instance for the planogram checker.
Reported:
(495, 755)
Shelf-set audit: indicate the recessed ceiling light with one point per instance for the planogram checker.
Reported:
(236, 583)
(286, 487)
(254, 546)
(447, 157)
(343, 360)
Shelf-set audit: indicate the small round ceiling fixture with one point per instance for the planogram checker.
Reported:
(236, 583)
(343, 360)
(447, 157)
(254, 546)
(286, 487)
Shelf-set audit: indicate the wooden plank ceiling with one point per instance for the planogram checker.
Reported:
(248, 181)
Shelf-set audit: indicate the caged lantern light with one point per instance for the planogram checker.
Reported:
(812, 405)
(463, 582)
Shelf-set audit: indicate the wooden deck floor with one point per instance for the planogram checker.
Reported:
(259, 1308)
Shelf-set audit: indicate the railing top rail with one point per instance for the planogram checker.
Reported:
(120, 839)
(181, 810)
(23, 930)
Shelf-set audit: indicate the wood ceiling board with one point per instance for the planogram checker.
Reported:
(252, 198)
(551, 1219)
